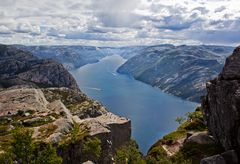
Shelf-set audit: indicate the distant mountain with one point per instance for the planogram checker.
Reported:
(178, 70)
(76, 56)
(18, 67)
(70, 56)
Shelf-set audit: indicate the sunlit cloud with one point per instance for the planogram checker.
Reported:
(125, 22)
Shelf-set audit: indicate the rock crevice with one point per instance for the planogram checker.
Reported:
(222, 104)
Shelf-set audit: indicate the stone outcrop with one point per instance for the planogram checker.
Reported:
(222, 104)
(200, 138)
(229, 157)
(52, 121)
(23, 99)
(19, 67)
(112, 131)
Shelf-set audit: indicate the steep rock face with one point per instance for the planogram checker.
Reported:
(19, 67)
(113, 131)
(53, 122)
(222, 104)
(179, 70)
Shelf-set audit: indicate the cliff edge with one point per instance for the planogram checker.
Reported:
(221, 108)
(42, 96)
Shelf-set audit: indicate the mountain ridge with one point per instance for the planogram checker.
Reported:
(41, 97)
(179, 70)
(22, 68)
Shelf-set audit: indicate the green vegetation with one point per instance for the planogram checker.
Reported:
(196, 152)
(180, 119)
(38, 122)
(190, 152)
(76, 136)
(92, 148)
(47, 130)
(129, 154)
(24, 150)
(177, 159)
(46, 153)
(22, 145)
(71, 99)
(4, 129)
(194, 123)
(78, 133)
(79, 136)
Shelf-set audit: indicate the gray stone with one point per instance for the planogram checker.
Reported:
(230, 157)
(216, 159)
(221, 105)
(200, 138)
(18, 67)
(26, 114)
(88, 162)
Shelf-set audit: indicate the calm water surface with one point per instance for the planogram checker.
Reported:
(151, 111)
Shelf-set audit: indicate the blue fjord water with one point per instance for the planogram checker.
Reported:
(151, 111)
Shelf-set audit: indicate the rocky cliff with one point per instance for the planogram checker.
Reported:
(19, 67)
(41, 95)
(45, 111)
(222, 109)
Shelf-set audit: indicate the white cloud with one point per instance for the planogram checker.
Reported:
(119, 22)
(4, 30)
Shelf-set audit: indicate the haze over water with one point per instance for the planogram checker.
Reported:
(151, 111)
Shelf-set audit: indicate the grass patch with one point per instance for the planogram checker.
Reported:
(47, 130)
(4, 130)
(196, 152)
(38, 122)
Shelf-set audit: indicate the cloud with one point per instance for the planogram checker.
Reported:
(114, 22)
(217, 36)
(220, 9)
(175, 23)
(202, 10)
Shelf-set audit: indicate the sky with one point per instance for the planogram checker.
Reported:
(119, 22)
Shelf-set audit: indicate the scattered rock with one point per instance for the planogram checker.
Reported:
(231, 157)
(228, 157)
(16, 101)
(216, 159)
(88, 162)
(200, 138)
(26, 114)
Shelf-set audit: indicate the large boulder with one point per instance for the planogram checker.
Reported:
(229, 157)
(200, 138)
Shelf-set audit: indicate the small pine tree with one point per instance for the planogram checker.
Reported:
(22, 145)
(26, 151)
(47, 156)
(6, 158)
(129, 154)
(180, 120)
(92, 148)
